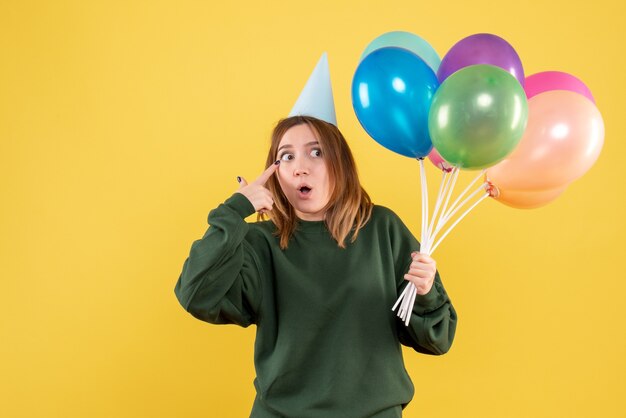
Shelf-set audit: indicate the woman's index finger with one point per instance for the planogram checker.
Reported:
(265, 176)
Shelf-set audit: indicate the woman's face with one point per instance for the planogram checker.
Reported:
(303, 174)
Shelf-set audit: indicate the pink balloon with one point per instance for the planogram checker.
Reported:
(439, 162)
(563, 139)
(555, 80)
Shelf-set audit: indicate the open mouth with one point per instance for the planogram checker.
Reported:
(304, 189)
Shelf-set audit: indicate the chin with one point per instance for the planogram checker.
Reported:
(308, 212)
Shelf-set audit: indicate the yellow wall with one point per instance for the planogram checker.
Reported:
(123, 122)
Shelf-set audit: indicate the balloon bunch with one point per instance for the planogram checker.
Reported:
(475, 110)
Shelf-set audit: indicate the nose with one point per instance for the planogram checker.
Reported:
(299, 171)
(301, 168)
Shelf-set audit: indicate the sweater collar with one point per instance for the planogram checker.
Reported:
(311, 226)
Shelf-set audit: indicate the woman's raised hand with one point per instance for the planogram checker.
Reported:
(257, 194)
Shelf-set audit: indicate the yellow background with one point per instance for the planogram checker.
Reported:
(122, 123)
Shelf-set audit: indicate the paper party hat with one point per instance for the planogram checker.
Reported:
(316, 98)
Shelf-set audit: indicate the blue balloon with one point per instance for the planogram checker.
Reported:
(406, 40)
(392, 91)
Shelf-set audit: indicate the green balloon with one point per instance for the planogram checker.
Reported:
(478, 116)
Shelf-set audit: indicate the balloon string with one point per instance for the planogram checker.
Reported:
(483, 197)
(464, 192)
(407, 307)
(442, 214)
(448, 193)
(404, 307)
(424, 185)
(407, 304)
(445, 217)
(444, 193)
(406, 288)
(408, 295)
(456, 209)
(405, 298)
(455, 175)
(442, 187)
(410, 306)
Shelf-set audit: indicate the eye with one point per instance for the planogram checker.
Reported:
(316, 152)
(286, 156)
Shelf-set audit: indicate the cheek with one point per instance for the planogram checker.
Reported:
(329, 188)
(322, 171)
(282, 182)
(327, 181)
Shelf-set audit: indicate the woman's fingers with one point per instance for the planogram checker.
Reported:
(421, 272)
(242, 182)
(419, 257)
(257, 194)
(422, 285)
(260, 197)
(265, 176)
(423, 262)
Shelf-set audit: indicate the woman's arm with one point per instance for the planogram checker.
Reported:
(221, 278)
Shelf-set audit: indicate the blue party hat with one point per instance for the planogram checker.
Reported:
(316, 98)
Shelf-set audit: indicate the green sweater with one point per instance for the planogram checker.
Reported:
(327, 343)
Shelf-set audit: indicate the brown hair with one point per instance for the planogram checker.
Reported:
(349, 207)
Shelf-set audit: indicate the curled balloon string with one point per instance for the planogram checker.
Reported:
(491, 189)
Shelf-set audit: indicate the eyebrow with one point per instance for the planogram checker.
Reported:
(291, 146)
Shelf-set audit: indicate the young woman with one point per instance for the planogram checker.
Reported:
(318, 279)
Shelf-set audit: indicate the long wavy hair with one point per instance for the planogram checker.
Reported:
(349, 207)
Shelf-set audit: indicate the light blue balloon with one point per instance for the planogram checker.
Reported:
(408, 41)
(392, 91)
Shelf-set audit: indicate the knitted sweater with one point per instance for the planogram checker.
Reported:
(327, 343)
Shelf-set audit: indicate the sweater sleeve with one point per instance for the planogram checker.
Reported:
(433, 320)
(221, 279)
